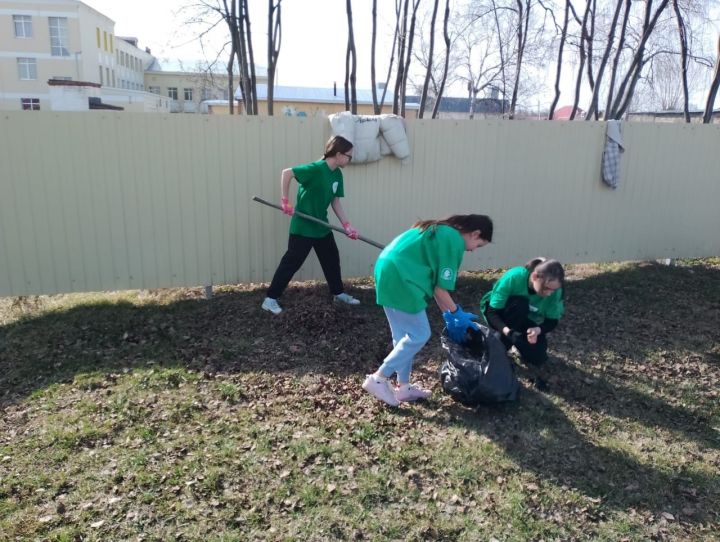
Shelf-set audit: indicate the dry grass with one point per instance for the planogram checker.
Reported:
(164, 416)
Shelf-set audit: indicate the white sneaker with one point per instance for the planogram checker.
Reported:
(380, 388)
(411, 392)
(347, 298)
(271, 305)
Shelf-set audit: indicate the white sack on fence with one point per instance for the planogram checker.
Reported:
(342, 125)
(393, 130)
(385, 149)
(372, 136)
(366, 147)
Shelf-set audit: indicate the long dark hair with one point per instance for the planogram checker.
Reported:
(336, 144)
(547, 269)
(462, 223)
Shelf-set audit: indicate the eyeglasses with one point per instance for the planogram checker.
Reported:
(348, 156)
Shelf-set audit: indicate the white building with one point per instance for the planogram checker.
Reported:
(68, 40)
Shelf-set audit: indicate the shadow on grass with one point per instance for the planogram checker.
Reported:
(228, 333)
(540, 438)
(616, 322)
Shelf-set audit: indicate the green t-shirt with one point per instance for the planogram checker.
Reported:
(319, 185)
(414, 263)
(515, 283)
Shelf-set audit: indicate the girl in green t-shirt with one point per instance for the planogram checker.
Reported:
(416, 266)
(321, 185)
(525, 305)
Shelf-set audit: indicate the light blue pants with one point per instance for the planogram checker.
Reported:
(410, 332)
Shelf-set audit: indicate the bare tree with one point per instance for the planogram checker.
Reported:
(428, 72)
(401, 37)
(274, 38)
(583, 56)
(561, 47)
(446, 36)
(593, 107)
(627, 86)
(408, 57)
(714, 85)
(350, 64)
(481, 66)
(523, 13)
(616, 58)
(373, 81)
(682, 36)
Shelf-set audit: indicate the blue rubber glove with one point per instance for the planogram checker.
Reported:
(457, 324)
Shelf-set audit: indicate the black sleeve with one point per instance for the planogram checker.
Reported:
(494, 319)
(548, 325)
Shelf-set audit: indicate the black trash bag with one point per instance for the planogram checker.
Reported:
(478, 372)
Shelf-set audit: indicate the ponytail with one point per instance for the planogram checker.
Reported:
(462, 223)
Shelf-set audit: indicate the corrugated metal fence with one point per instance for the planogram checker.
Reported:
(105, 201)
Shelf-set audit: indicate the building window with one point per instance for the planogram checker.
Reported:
(27, 69)
(107, 75)
(154, 90)
(101, 77)
(188, 94)
(105, 39)
(23, 26)
(97, 33)
(172, 93)
(30, 104)
(112, 47)
(59, 36)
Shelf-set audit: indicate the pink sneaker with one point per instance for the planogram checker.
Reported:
(381, 389)
(411, 392)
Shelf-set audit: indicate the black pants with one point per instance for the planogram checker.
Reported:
(298, 249)
(515, 316)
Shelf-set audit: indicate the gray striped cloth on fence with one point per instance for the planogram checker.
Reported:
(612, 154)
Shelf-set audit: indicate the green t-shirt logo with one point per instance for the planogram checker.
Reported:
(447, 274)
(335, 185)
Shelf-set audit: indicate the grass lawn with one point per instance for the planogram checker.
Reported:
(160, 415)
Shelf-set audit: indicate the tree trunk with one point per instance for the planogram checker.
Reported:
(402, 36)
(593, 107)
(406, 68)
(350, 64)
(398, 4)
(616, 60)
(590, 37)
(242, 58)
(428, 73)
(682, 35)
(522, 40)
(251, 58)
(502, 57)
(623, 98)
(712, 93)
(373, 82)
(563, 37)
(578, 80)
(237, 18)
(446, 36)
(230, 70)
(274, 38)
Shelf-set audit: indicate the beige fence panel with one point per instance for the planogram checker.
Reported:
(104, 201)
